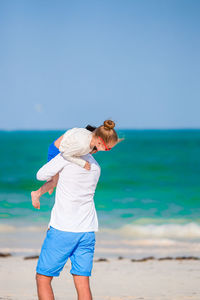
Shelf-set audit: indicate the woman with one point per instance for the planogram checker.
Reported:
(72, 226)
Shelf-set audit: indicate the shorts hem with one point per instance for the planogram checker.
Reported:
(80, 273)
(46, 273)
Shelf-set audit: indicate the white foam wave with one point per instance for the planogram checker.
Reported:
(171, 231)
(135, 231)
(139, 242)
(4, 228)
(19, 250)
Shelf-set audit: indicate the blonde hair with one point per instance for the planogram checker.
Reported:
(107, 132)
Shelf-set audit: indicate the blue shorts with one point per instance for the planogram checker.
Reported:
(60, 245)
(52, 151)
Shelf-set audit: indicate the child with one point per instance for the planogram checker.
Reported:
(75, 143)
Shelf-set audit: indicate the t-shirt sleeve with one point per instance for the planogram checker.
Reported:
(51, 168)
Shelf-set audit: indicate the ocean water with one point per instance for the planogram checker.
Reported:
(148, 192)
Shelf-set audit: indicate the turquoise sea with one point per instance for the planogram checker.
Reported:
(149, 189)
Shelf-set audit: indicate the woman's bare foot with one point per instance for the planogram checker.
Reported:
(35, 195)
(51, 191)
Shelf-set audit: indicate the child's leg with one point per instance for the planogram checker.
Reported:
(49, 185)
(50, 191)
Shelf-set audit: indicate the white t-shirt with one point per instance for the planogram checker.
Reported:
(74, 208)
(75, 143)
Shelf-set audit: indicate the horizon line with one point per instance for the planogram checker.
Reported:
(117, 128)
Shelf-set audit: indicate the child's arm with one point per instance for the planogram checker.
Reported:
(68, 155)
(71, 150)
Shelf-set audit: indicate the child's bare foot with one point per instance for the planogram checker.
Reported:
(35, 199)
(51, 191)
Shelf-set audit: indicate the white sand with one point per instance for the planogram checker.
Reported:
(113, 280)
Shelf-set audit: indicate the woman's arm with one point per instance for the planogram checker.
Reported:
(50, 169)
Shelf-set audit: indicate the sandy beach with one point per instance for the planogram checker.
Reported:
(113, 279)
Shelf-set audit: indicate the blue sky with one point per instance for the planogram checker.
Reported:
(70, 63)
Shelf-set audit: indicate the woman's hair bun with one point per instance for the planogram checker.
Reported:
(109, 124)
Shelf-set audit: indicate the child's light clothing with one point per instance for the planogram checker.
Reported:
(75, 143)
